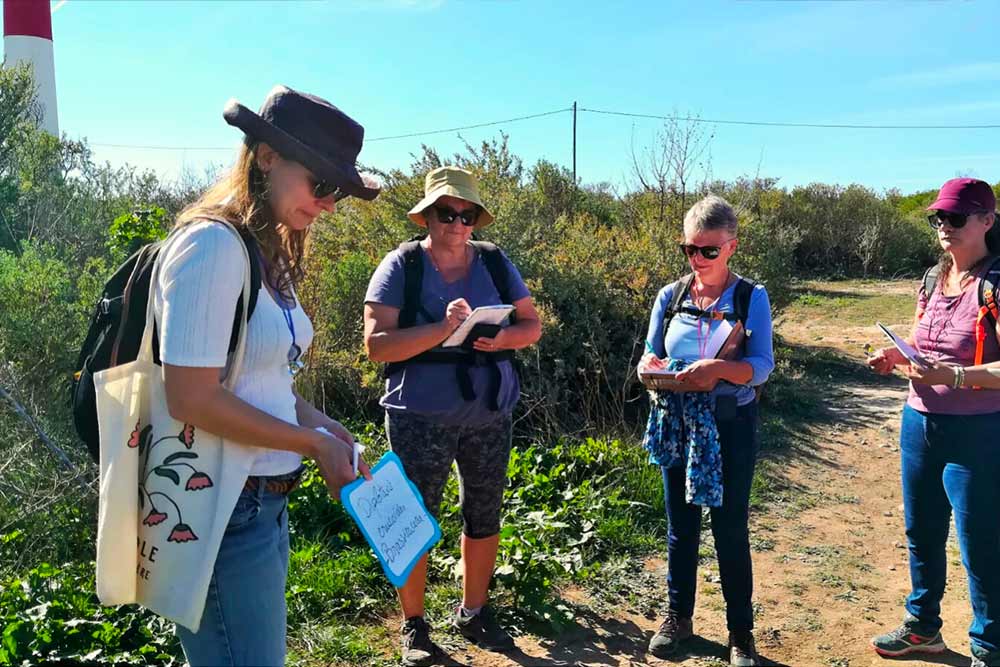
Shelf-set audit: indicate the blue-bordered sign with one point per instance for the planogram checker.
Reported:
(391, 515)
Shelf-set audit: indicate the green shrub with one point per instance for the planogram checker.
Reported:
(51, 615)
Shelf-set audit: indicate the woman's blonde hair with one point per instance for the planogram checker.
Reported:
(241, 197)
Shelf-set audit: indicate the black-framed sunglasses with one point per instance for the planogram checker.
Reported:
(323, 189)
(446, 216)
(956, 220)
(707, 251)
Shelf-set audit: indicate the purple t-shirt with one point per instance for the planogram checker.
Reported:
(431, 390)
(947, 333)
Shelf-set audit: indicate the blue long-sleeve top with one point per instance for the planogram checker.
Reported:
(680, 341)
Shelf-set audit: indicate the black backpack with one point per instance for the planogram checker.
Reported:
(413, 277)
(741, 302)
(116, 329)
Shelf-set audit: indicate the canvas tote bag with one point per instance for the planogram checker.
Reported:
(167, 489)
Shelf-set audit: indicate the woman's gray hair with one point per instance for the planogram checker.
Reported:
(711, 213)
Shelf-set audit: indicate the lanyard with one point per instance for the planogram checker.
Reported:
(703, 338)
(294, 352)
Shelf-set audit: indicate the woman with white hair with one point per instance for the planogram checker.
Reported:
(703, 425)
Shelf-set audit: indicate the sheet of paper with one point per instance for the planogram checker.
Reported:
(481, 315)
(718, 339)
(905, 348)
(391, 515)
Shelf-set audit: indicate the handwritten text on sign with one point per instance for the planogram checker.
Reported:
(392, 518)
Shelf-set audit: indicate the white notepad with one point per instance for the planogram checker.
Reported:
(481, 315)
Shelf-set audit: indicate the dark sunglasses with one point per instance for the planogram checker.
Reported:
(323, 189)
(447, 216)
(955, 220)
(707, 251)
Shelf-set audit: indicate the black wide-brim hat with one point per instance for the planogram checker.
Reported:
(309, 130)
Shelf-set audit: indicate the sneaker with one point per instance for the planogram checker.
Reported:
(418, 649)
(987, 659)
(483, 629)
(742, 652)
(908, 638)
(672, 632)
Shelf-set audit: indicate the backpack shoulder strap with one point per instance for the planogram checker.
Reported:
(493, 259)
(497, 268)
(988, 291)
(255, 283)
(741, 299)
(929, 281)
(681, 289)
(413, 279)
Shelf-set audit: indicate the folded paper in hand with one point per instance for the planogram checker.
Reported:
(482, 315)
(907, 350)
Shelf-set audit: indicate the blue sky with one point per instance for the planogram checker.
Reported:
(159, 72)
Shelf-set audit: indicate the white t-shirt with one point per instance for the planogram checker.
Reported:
(201, 279)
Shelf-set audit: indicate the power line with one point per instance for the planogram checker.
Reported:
(398, 136)
(471, 127)
(831, 126)
(606, 112)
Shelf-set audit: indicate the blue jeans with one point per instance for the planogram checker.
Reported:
(739, 443)
(952, 462)
(245, 617)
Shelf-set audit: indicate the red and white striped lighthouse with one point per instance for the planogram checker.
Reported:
(27, 37)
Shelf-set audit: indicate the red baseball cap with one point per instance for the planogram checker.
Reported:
(965, 196)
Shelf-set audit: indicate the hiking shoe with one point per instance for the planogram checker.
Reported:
(483, 629)
(418, 649)
(672, 632)
(742, 652)
(988, 659)
(908, 638)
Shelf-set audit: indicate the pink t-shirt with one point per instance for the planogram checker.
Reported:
(947, 333)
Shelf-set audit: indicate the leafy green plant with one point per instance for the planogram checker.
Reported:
(51, 615)
(131, 230)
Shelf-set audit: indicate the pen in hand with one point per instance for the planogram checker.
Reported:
(655, 362)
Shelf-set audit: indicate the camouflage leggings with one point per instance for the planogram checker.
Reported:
(427, 450)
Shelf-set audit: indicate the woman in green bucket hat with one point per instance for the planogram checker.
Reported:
(450, 404)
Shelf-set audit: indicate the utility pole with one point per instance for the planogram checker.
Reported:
(574, 145)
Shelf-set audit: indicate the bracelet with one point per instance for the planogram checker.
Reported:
(959, 377)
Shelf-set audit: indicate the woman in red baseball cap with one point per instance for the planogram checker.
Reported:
(950, 423)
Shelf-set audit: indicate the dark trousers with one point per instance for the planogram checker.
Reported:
(952, 463)
(739, 442)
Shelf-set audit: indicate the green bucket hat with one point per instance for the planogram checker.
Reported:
(450, 182)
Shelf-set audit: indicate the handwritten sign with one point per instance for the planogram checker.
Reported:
(392, 517)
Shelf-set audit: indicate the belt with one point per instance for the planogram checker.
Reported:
(281, 485)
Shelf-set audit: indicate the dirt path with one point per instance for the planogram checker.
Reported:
(829, 557)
